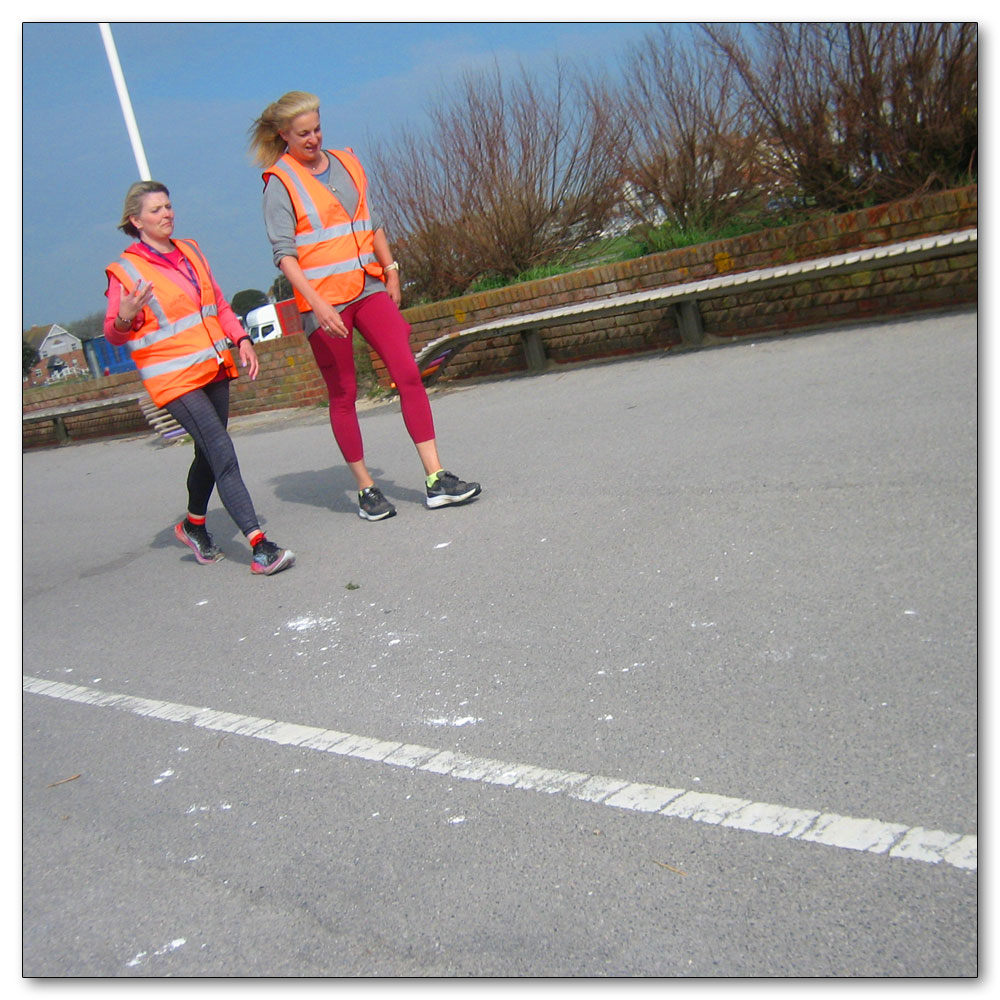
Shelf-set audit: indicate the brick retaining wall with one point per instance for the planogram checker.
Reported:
(289, 376)
(891, 291)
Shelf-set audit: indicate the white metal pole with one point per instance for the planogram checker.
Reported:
(123, 98)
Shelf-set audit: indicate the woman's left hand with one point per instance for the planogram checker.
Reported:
(392, 286)
(248, 358)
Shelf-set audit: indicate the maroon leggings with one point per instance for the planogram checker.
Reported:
(380, 322)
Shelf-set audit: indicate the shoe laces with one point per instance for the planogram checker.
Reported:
(265, 547)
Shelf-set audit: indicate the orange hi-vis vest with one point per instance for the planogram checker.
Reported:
(180, 346)
(334, 249)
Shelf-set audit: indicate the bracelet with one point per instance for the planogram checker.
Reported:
(125, 322)
(394, 266)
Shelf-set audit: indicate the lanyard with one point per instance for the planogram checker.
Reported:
(187, 266)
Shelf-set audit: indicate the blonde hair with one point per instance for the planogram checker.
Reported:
(266, 144)
(133, 203)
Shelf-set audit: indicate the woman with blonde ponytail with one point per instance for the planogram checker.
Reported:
(266, 143)
(331, 246)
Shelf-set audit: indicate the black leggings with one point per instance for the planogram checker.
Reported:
(204, 414)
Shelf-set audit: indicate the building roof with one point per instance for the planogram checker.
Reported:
(37, 335)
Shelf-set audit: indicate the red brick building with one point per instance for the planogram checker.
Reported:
(60, 355)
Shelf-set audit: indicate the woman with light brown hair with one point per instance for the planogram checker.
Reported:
(165, 306)
(334, 252)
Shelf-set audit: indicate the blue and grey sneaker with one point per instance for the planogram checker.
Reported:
(372, 506)
(446, 488)
(199, 541)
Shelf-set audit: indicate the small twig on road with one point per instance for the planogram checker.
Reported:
(663, 864)
(63, 782)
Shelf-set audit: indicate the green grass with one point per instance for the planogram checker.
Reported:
(641, 242)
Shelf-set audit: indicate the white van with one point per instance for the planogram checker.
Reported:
(262, 323)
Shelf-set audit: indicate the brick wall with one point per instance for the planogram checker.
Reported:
(121, 420)
(934, 284)
(289, 377)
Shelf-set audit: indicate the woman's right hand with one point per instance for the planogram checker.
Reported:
(328, 320)
(132, 303)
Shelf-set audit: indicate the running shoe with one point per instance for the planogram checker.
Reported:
(197, 538)
(449, 489)
(372, 506)
(268, 558)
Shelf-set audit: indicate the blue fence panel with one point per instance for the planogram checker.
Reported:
(109, 358)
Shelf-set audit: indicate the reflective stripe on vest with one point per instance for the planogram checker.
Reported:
(316, 273)
(179, 364)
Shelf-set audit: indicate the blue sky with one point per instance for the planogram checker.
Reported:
(195, 89)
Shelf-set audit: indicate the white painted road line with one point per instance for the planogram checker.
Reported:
(895, 840)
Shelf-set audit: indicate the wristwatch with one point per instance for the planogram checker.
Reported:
(394, 266)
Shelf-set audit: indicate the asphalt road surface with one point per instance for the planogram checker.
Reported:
(689, 691)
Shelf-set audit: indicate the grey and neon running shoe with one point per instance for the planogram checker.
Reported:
(372, 506)
(448, 489)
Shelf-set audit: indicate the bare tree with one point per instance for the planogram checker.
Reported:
(693, 160)
(511, 174)
(419, 194)
(514, 173)
(87, 328)
(861, 112)
(909, 100)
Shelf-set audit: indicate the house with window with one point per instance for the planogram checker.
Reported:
(60, 355)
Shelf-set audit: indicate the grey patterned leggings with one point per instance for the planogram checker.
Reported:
(204, 414)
